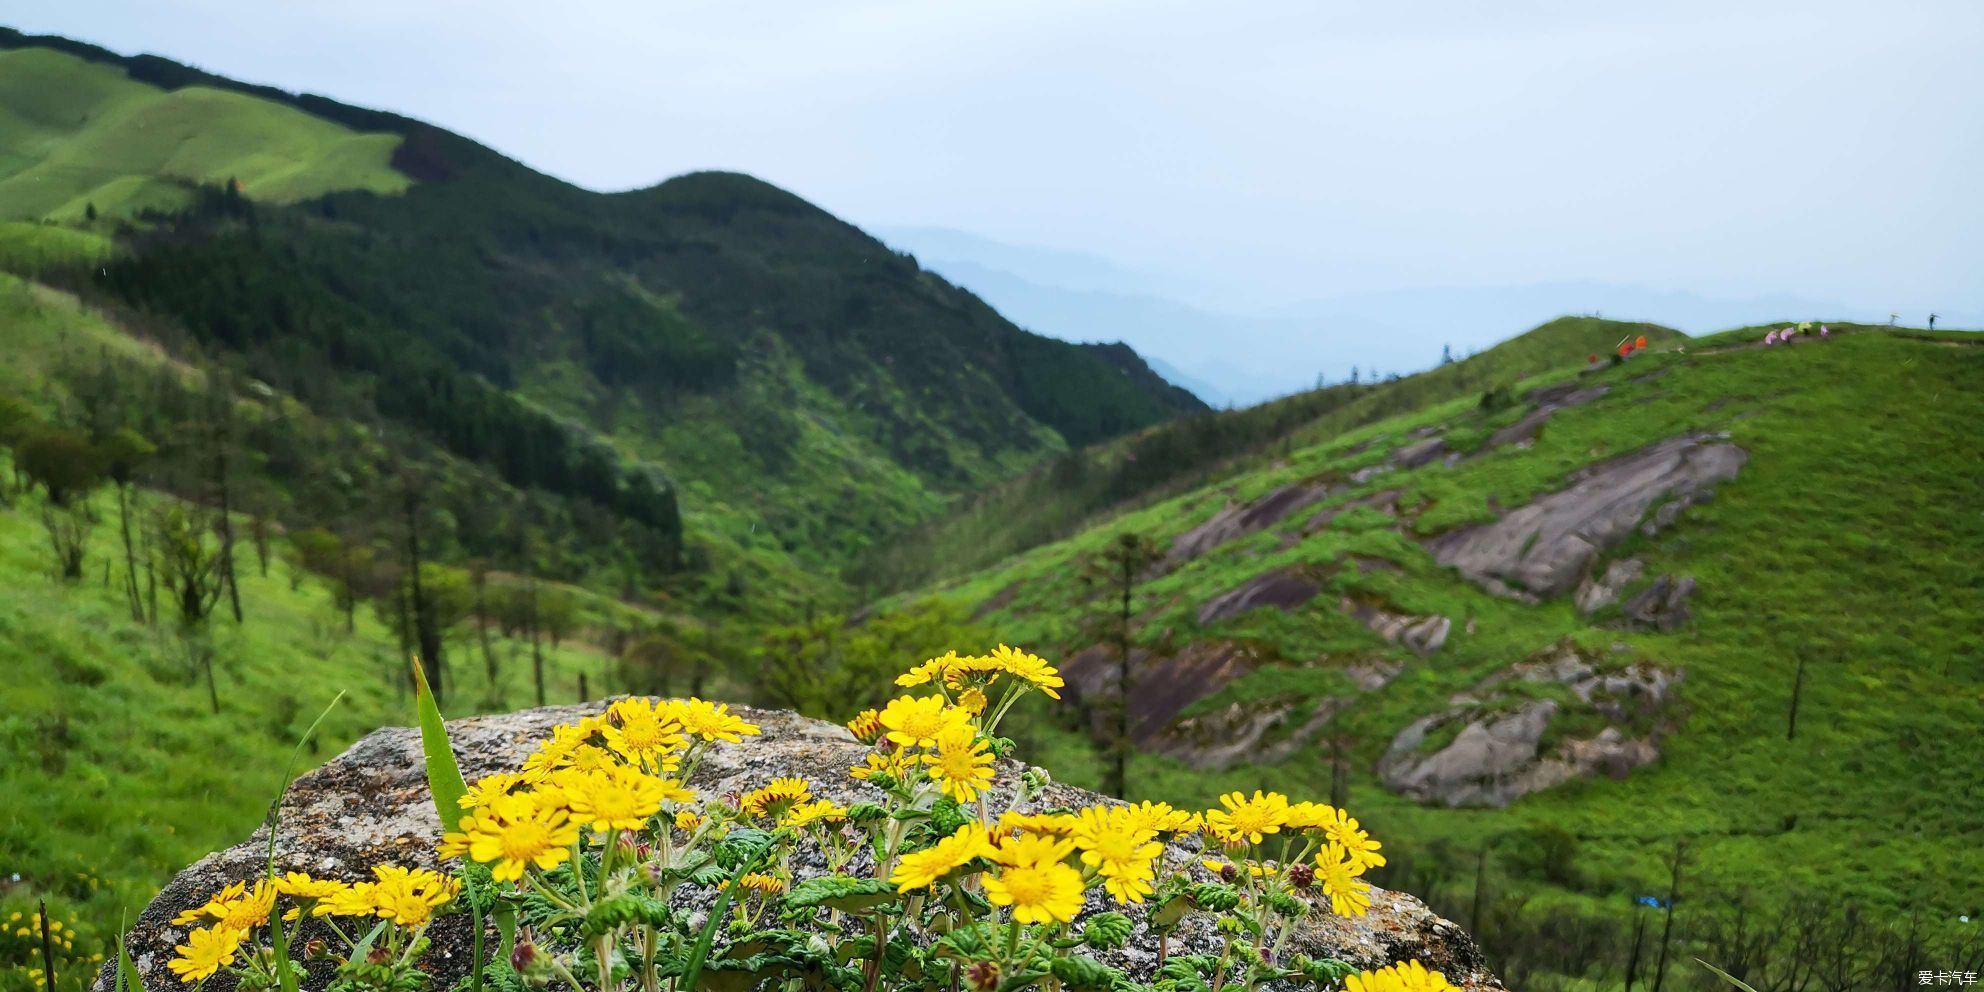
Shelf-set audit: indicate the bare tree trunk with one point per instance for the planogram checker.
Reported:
(425, 631)
(1667, 927)
(130, 554)
(536, 647)
(1633, 959)
(226, 520)
(1797, 691)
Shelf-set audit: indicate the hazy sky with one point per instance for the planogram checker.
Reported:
(1266, 151)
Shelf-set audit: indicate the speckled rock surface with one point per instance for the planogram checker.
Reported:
(370, 805)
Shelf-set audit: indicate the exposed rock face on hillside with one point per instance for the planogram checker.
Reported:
(1498, 754)
(370, 805)
(1543, 549)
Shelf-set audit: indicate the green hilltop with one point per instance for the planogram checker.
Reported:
(82, 136)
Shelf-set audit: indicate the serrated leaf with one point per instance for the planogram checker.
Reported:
(1107, 931)
(842, 892)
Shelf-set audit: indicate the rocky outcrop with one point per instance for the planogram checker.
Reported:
(1660, 606)
(1497, 754)
(1162, 686)
(1595, 594)
(1544, 549)
(1281, 588)
(1241, 519)
(370, 805)
(1548, 400)
(1422, 635)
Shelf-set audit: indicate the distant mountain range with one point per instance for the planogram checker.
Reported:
(1237, 357)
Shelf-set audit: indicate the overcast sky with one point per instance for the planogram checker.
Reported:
(1265, 151)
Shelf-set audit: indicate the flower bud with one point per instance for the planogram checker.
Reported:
(982, 976)
(316, 950)
(1301, 875)
(1229, 874)
(523, 955)
(379, 955)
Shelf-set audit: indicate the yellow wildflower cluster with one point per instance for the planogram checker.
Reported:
(596, 832)
(231, 917)
(611, 772)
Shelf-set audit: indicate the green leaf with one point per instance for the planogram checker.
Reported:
(127, 971)
(506, 925)
(1725, 976)
(444, 776)
(1084, 974)
(1165, 916)
(1107, 931)
(363, 949)
(701, 951)
(843, 892)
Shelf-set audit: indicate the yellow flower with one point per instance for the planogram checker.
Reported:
(920, 868)
(1337, 874)
(1405, 976)
(764, 884)
(866, 726)
(1038, 892)
(1039, 823)
(1247, 819)
(1342, 830)
(895, 764)
(1029, 667)
(939, 667)
(298, 885)
(1218, 867)
(1112, 841)
(352, 900)
(235, 907)
(917, 722)
(806, 814)
(409, 897)
(1129, 886)
(1162, 818)
(774, 799)
(487, 788)
(711, 721)
(206, 951)
(645, 735)
(962, 764)
(1032, 849)
(972, 701)
(1305, 815)
(619, 798)
(517, 832)
(687, 820)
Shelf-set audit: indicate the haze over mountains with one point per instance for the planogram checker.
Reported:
(1230, 353)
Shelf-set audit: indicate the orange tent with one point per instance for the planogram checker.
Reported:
(1640, 342)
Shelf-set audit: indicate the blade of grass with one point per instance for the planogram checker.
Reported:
(1725, 976)
(444, 776)
(708, 937)
(278, 938)
(127, 970)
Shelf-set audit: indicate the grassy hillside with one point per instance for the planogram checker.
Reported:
(1848, 542)
(1055, 500)
(82, 134)
(111, 728)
